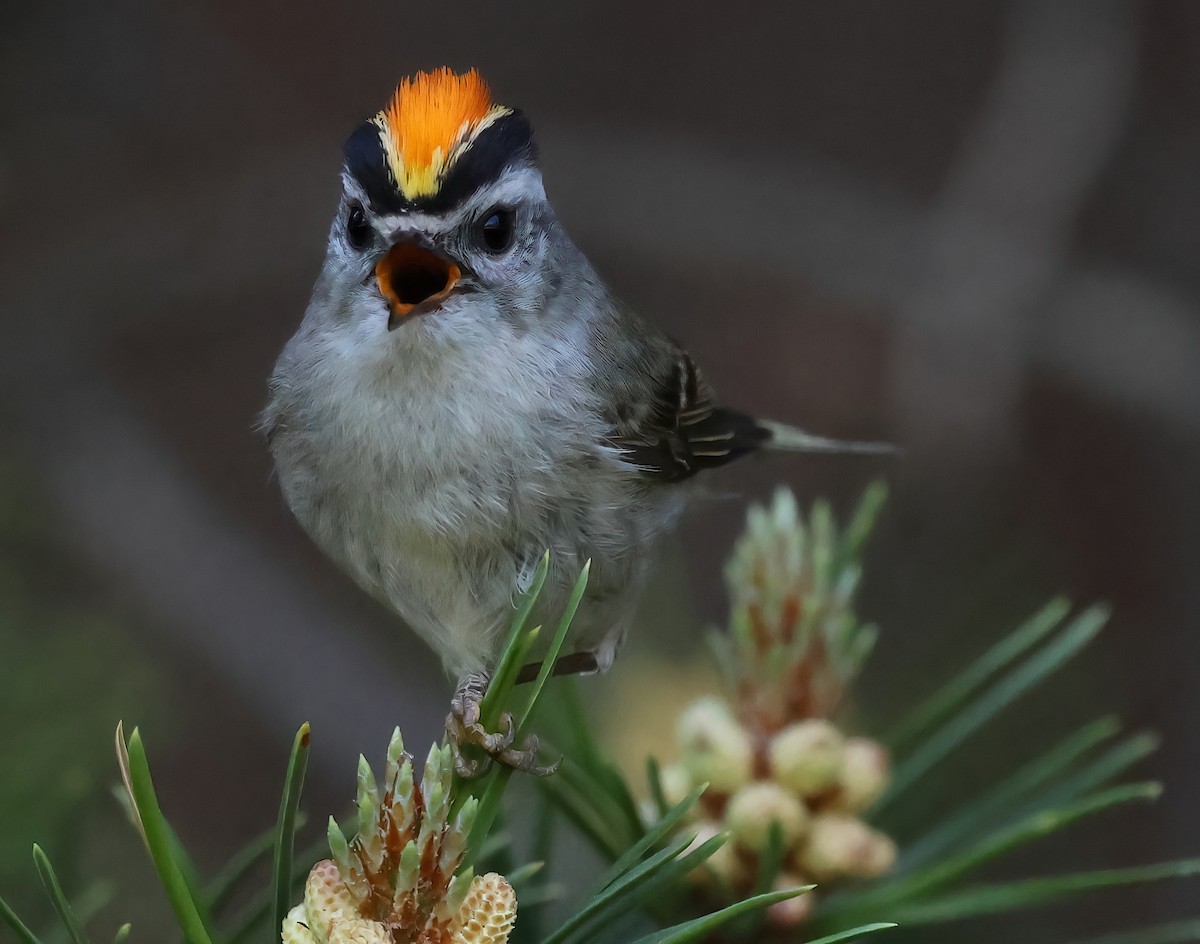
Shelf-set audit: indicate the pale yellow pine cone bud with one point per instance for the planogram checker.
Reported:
(842, 846)
(794, 911)
(865, 774)
(360, 931)
(295, 930)
(328, 916)
(676, 783)
(882, 857)
(754, 808)
(488, 913)
(327, 901)
(351, 930)
(724, 866)
(716, 749)
(807, 756)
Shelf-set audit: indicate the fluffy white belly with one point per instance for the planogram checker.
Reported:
(439, 485)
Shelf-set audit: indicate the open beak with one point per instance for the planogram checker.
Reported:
(414, 279)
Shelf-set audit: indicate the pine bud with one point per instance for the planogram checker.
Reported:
(756, 807)
(865, 775)
(807, 756)
(676, 784)
(488, 913)
(882, 856)
(724, 866)
(794, 911)
(716, 749)
(841, 846)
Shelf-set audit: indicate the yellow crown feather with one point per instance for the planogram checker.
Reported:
(429, 122)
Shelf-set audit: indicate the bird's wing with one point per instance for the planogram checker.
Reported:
(680, 431)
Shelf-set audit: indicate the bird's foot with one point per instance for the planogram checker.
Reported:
(476, 748)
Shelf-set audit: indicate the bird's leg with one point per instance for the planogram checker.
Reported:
(466, 733)
(577, 663)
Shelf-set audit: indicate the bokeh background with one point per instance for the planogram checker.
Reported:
(968, 228)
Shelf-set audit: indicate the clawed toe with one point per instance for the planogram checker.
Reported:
(525, 759)
(468, 737)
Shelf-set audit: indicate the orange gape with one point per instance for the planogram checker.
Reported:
(429, 120)
(410, 275)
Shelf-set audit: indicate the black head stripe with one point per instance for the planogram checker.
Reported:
(507, 141)
(367, 164)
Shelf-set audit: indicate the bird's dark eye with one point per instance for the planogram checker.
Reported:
(358, 231)
(496, 230)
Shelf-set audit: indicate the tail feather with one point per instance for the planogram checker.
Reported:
(791, 439)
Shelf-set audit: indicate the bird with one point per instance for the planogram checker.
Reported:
(465, 393)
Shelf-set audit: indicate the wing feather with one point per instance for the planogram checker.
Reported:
(683, 432)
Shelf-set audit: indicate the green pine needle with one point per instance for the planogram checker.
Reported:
(591, 779)
(512, 658)
(585, 804)
(654, 837)
(159, 840)
(519, 877)
(1029, 893)
(9, 917)
(605, 792)
(285, 831)
(490, 790)
(770, 864)
(654, 779)
(699, 928)
(54, 890)
(219, 890)
(614, 899)
(1178, 932)
(856, 532)
(1037, 826)
(1000, 804)
(854, 932)
(973, 713)
(936, 879)
(947, 701)
(1106, 767)
(556, 645)
(256, 911)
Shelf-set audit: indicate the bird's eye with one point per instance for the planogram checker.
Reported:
(496, 230)
(358, 231)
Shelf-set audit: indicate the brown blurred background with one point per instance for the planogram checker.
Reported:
(969, 228)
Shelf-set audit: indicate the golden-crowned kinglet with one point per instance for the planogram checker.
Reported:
(465, 393)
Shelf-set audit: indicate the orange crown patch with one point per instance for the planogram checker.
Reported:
(430, 121)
